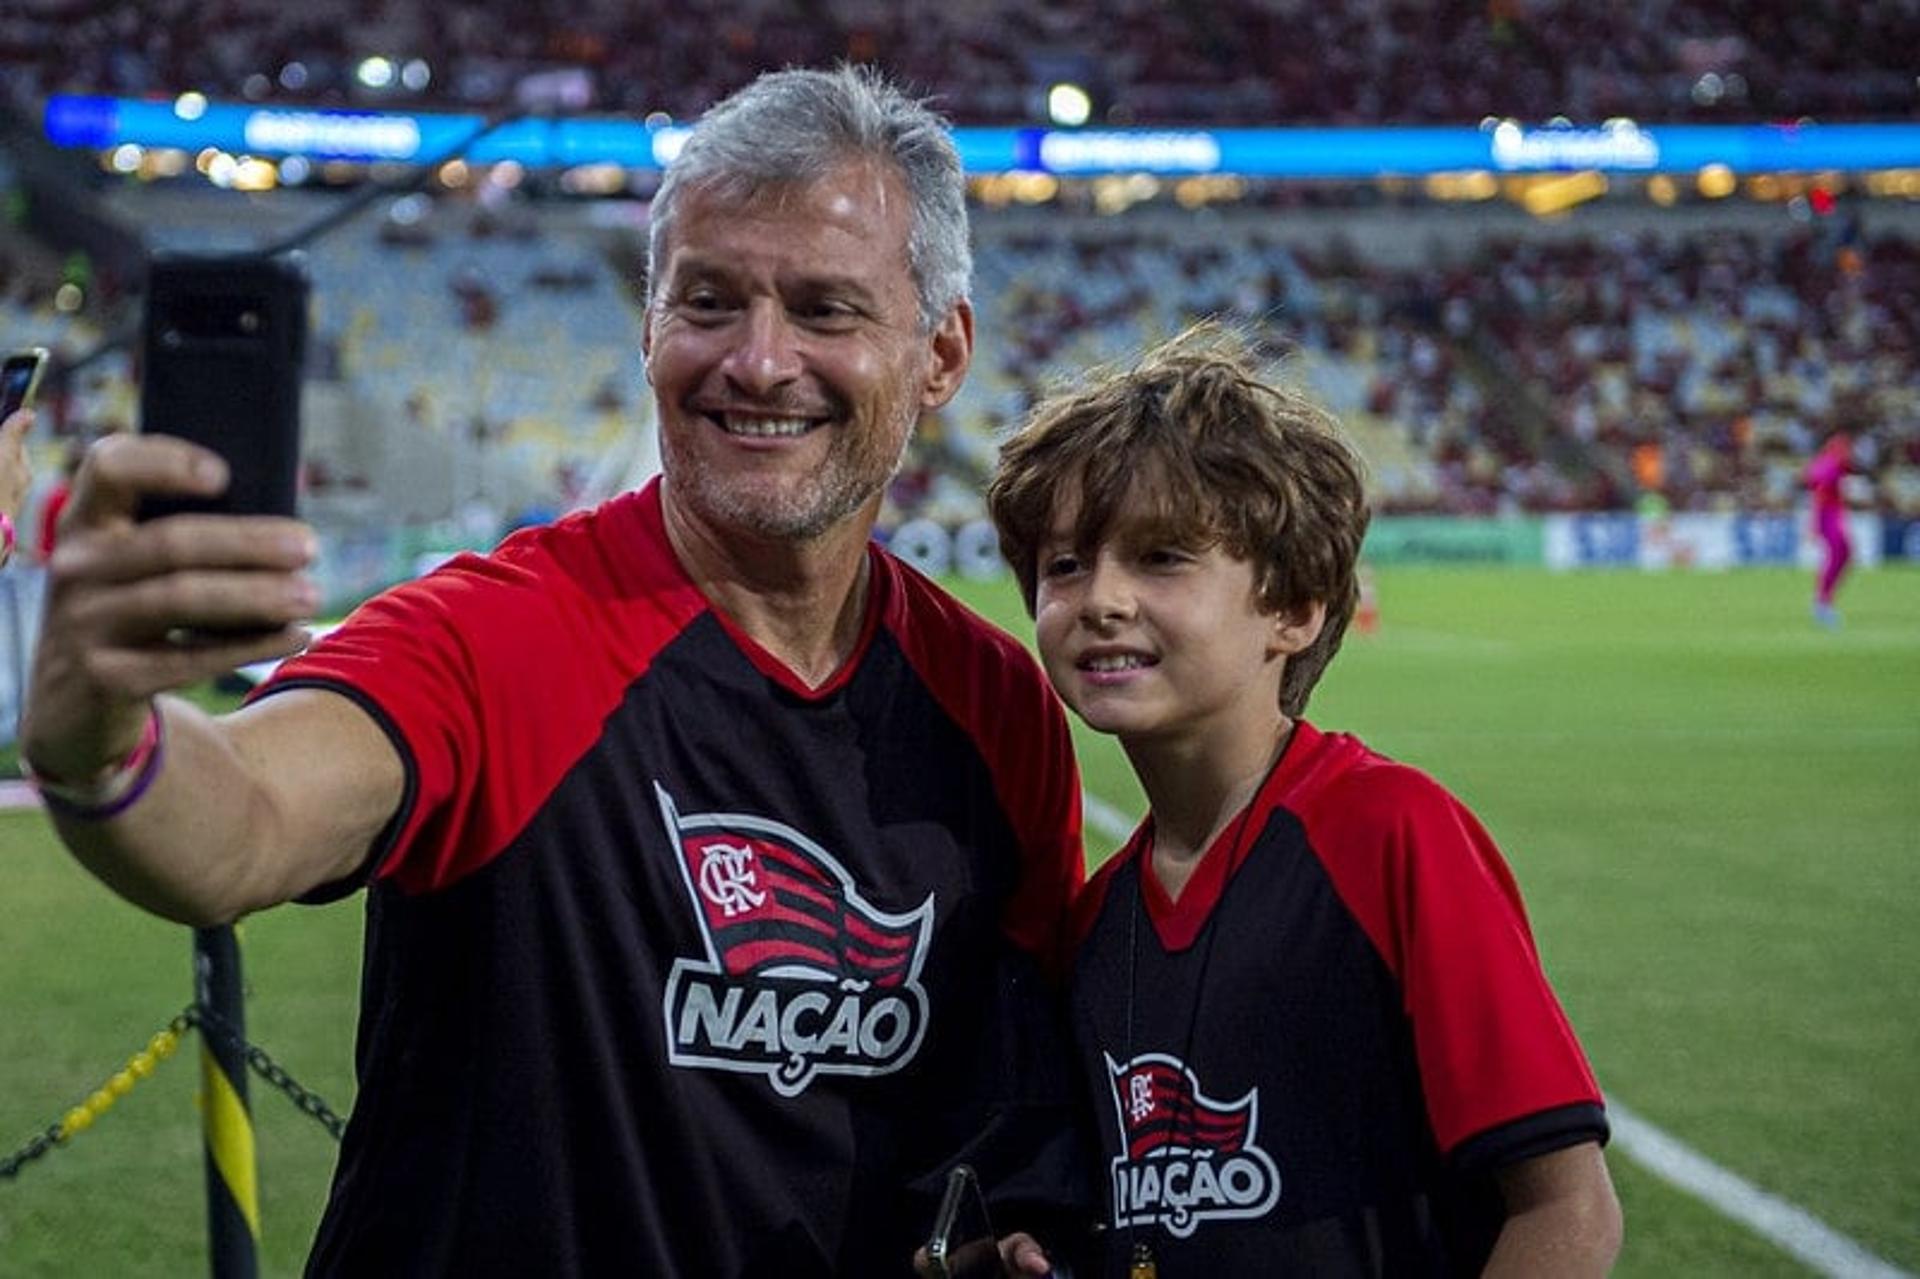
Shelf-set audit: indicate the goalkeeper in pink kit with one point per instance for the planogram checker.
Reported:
(1825, 475)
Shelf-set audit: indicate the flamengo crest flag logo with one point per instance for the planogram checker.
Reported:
(801, 976)
(1184, 1157)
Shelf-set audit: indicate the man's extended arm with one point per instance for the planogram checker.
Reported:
(242, 811)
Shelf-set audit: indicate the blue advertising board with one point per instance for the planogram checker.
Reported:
(1504, 147)
(1766, 539)
(1900, 539)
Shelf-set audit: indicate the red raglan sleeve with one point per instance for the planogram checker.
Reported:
(995, 689)
(404, 658)
(1043, 801)
(492, 677)
(1503, 1074)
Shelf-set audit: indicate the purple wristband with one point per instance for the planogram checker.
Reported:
(146, 766)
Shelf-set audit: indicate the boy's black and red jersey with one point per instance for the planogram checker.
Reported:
(675, 966)
(1313, 1060)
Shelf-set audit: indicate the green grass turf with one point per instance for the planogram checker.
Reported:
(1713, 809)
(87, 980)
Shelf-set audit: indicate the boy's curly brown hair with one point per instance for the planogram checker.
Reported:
(1195, 444)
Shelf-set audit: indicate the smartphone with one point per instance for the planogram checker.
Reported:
(963, 1244)
(225, 343)
(20, 378)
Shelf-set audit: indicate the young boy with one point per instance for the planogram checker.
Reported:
(1305, 994)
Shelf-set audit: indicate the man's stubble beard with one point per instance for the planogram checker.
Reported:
(789, 508)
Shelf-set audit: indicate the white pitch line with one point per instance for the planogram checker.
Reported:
(1105, 818)
(1785, 1225)
(1791, 1228)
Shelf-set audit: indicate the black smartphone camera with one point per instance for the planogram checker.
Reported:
(226, 339)
(20, 378)
(963, 1244)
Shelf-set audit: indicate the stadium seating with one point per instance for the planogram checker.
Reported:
(990, 61)
(1716, 364)
(1534, 374)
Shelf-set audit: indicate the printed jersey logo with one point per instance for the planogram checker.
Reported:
(1185, 1158)
(801, 976)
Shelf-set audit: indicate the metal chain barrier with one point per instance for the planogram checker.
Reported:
(262, 1064)
(82, 1116)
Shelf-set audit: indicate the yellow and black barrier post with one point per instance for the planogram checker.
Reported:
(233, 1204)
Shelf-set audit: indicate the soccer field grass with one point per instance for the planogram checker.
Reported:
(1712, 806)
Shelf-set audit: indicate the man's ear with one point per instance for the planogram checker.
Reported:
(1295, 629)
(952, 342)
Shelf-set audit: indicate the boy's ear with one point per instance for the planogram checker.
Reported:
(1295, 629)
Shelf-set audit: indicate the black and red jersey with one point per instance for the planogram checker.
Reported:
(675, 966)
(1314, 1059)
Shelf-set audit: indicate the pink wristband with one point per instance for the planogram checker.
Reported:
(8, 538)
(113, 793)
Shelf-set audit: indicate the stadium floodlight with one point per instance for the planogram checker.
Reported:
(252, 173)
(375, 72)
(1550, 197)
(293, 76)
(294, 170)
(126, 158)
(1068, 105)
(190, 105)
(417, 74)
(1716, 181)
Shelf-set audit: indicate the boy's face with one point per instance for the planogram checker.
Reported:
(1160, 642)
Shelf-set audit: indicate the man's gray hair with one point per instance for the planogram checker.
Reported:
(799, 125)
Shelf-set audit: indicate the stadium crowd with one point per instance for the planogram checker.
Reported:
(990, 61)
(1717, 365)
(1537, 375)
(1531, 375)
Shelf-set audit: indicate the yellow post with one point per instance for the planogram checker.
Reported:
(233, 1204)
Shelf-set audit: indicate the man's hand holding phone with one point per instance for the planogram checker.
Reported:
(134, 609)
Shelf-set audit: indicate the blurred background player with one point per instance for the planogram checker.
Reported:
(1827, 478)
(55, 502)
(1366, 611)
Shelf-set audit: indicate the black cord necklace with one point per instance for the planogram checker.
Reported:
(1141, 1263)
